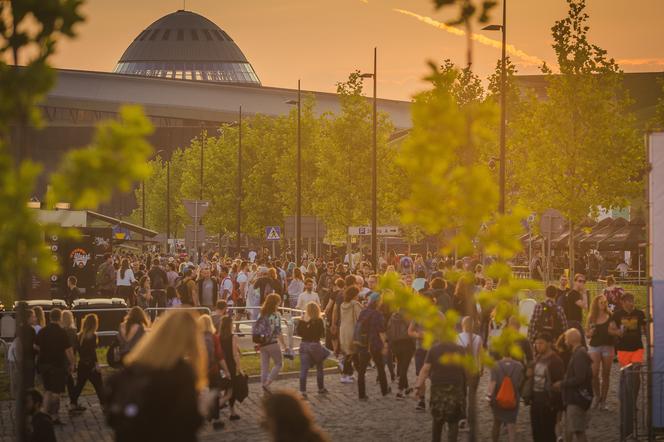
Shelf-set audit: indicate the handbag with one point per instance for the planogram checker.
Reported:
(113, 356)
(241, 387)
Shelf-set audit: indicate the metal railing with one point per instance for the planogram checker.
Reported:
(641, 396)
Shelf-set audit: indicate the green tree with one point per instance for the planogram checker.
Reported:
(580, 148)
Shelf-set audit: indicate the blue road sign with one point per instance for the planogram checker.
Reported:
(273, 233)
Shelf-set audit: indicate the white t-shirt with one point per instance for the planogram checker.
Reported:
(252, 256)
(226, 286)
(305, 298)
(242, 278)
(128, 278)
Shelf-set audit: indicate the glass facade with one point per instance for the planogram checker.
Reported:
(200, 71)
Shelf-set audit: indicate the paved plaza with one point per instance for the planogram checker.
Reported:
(340, 414)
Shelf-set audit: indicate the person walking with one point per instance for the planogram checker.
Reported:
(312, 329)
(548, 317)
(269, 339)
(504, 396)
(132, 330)
(577, 389)
(216, 363)
(124, 282)
(88, 366)
(308, 295)
(472, 345)
(155, 397)
(106, 278)
(349, 312)
(144, 293)
(371, 344)
(55, 358)
(295, 287)
(576, 301)
(69, 326)
(546, 401)
(602, 331)
(448, 390)
(208, 288)
(403, 348)
(158, 283)
(231, 349)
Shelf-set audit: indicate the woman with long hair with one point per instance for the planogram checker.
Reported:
(132, 329)
(124, 281)
(272, 341)
(312, 329)
(155, 398)
(288, 418)
(231, 349)
(601, 330)
(349, 311)
(295, 287)
(215, 358)
(144, 293)
(40, 319)
(88, 368)
(69, 326)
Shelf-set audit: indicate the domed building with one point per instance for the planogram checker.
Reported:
(187, 46)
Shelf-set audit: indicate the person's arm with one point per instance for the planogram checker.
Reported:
(335, 316)
(412, 331)
(534, 319)
(194, 295)
(236, 355)
(420, 383)
(72, 360)
(581, 371)
(383, 337)
(613, 329)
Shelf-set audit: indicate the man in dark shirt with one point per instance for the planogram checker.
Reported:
(438, 294)
(448, 389)
(377, 346)
(26, 332)
(54, 353)
(546, 401)
(106, 277)
(73, 293)
(576, 302)
(632, 325)
(41, 425)
(158, 284)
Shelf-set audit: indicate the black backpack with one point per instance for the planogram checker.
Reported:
(183, 292)
(549, 321)
(397, 328)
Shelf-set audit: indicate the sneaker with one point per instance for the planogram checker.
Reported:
(323, 391)
(340, 363)
(266, 389)
(234, 417)
(345, 380)
(400, 395)
(604, 407)
(420, 406)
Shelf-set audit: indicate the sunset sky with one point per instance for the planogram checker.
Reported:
(322, 41)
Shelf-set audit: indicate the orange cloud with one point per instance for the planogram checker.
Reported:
(641, 61)
(526, 59)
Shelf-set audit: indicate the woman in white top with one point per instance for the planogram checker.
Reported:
(472, 343)
(295, 287)
(125, 279)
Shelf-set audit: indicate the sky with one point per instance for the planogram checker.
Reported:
(322, 41)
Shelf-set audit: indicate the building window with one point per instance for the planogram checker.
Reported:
(208, 37)
(218, 35)
(194, 35)
(167, 33)
(180, 34)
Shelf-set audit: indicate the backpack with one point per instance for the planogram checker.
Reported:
(361, 332)
(183, 291)
(397, 328)
(261, 331)
(549, 321)
(158, 282)
(506, 396)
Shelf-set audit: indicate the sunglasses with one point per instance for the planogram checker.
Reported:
(581, 280)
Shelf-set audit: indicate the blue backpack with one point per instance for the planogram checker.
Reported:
(361, 331)
(262, 331)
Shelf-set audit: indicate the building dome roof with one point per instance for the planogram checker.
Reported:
(187, 46)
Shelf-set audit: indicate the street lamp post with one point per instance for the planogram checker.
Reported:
(374, 172)
(503, 119)
(160, 151)
(298, 203)
(239, 184)
(168, 205)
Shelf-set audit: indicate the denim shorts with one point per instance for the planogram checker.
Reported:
(604, 350)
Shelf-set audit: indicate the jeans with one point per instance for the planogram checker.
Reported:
(306, 362)
(270, 351)
(420, 357)
(363, 362)
(88, 372)
(543, 418)
(403, 350)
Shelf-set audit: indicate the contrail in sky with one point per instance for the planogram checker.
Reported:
(510, 49)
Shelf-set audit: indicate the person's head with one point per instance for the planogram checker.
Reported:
(488, 284)
(272, 273)
(408, 279)
(543, 343)
(288, 418)
(438, 283)
(68, 319)
(205, 324)
(311, 268)
(514, 323)
(89, 326)
(467, 324)
(136, 315)
(297, 273)
(223, 271)
(350, 281)
(71, 281)
(339, 283)
(124, 265)
(372, 282)
(598, 305)
(330, 268)
(351, 293)
(244, 266)
(33, 401)
(479, 268)
(572, 338)
(155, 262)
(627, 300)
(174, 338)
(579, 282)
(359, 281)
(313, 310)
(40, 318)
(375, 300)
(551, 292)
(226, 327)
(221, 307)
(564, 281)
(610, 281)
(308, 285)
(144, 283)
(271, 304)
(204, 272)
(55, 316)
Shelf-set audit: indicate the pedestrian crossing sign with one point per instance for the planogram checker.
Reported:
(273, 233)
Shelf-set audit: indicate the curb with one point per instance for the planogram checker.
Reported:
(256, 378)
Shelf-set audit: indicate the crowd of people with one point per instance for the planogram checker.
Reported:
(182, 368)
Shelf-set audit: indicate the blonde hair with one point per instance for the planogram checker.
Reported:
(174, 337)
(313, 310)
(205, 324)
(68, 320)
(594, 309)
(89, 326)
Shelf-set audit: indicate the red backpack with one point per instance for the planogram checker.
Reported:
(506, 396)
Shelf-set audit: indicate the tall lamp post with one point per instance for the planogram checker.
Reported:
(298, 203)
(239, 184)
(374, 174)
(503, 86)
(157, 153)
(168, 205)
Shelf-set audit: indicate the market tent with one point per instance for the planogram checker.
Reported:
(602, 232)
(627, 237)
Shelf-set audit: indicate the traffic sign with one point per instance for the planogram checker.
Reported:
(196, 209)
(552, 222)
(273, 233)
(194, 236)
(381, 230)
